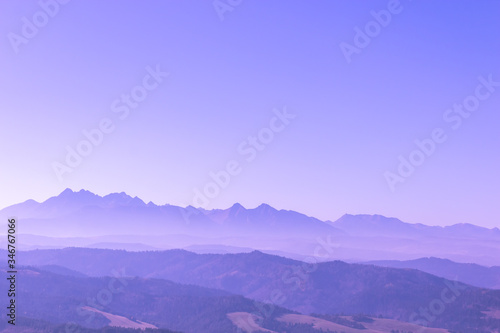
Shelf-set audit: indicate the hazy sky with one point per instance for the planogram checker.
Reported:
(358, 93)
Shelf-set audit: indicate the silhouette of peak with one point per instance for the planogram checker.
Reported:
(237, 206)
(86, 198)
(375, 218)
(67, 191)
(123, 198)
(30, 202)
(237, 210)
(264, 209)
(117, 196)
(137, 201)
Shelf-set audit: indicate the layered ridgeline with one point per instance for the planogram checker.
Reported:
(118, 221)
(54, 303)
(181, 290)
(473, 274)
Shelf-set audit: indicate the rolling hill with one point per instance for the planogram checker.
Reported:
(473, 274)
(323, 288)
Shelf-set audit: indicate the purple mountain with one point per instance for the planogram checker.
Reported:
(85, 219)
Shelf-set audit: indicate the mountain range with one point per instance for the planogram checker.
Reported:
(119, 221)
(117, 264)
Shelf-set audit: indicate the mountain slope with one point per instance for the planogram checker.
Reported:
(127, 302)
(476, 275)
(55, 303)
(324, 288)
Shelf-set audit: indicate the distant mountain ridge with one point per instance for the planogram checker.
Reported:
(83, 208)
(473, 274)
(115, 218)
(378, 225)
(70, 201)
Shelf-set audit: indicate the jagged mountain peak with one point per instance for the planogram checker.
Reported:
(265, 207)
(237, 206)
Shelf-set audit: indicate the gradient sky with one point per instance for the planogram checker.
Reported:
(352, 120)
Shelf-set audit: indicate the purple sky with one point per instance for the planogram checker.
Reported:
(353, 119)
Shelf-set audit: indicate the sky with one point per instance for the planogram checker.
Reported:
(324, 107)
